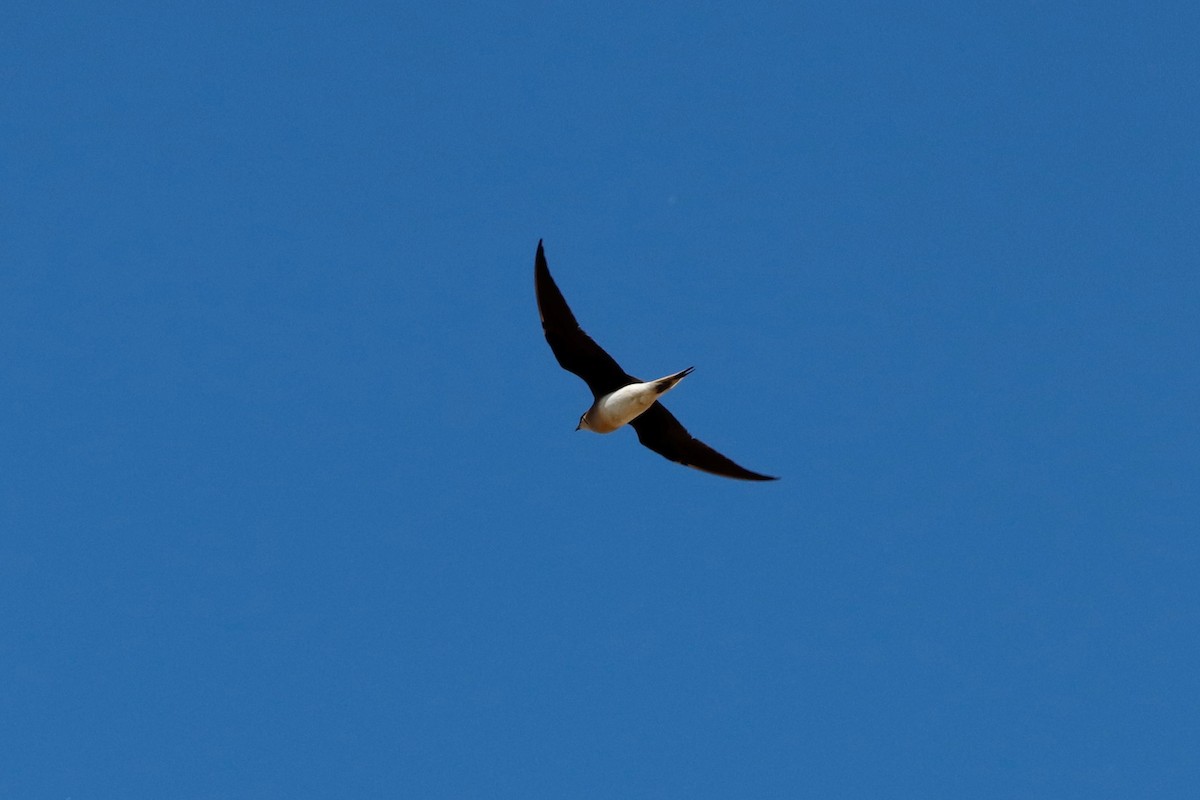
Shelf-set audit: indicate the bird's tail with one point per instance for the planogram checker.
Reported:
(664, 385)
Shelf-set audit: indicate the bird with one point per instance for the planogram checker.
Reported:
(619, 398)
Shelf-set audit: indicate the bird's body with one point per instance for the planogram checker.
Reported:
(619, 398)
(619, 408)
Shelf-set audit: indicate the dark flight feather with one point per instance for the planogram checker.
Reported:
(575, 350)
(658, 430)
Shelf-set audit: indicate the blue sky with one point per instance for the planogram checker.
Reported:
(290, 498)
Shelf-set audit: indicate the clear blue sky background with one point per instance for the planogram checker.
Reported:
(291, 504)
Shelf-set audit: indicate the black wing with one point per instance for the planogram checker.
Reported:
(573, 348)
(658, 429)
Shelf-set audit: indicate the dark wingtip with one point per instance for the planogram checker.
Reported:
(747, 475)
(751, 475)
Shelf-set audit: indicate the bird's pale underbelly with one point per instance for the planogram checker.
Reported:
(622, 406)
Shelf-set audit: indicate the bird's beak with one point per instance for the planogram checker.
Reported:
(577, 427)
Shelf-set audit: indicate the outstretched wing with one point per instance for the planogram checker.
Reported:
(573, 348)
(658, 429)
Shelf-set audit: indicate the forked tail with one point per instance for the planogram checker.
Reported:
(664, 385)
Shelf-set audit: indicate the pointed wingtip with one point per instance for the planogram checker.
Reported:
(741, 474)
(755, 476)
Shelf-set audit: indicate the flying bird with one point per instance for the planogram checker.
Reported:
(620, 398)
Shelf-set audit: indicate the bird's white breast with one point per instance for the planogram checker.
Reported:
(621, 407)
